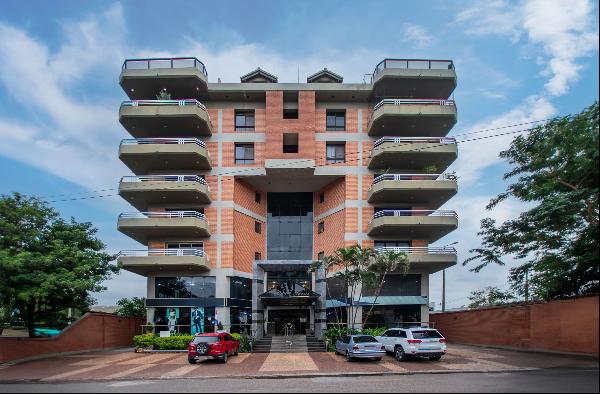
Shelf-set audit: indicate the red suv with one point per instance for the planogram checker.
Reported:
(218, 345)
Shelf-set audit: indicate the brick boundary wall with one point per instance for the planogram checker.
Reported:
(567, 325)
(94, 331)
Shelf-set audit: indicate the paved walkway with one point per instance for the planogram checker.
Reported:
(127, 365)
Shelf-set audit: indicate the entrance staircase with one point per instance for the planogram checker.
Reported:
(289, 344)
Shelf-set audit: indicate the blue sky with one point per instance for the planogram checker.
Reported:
(517, 61)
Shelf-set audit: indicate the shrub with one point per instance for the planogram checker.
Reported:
(373, 331)
(236, 336)
(143, 341)
(246, 343)
(176, 342)
(332, 334)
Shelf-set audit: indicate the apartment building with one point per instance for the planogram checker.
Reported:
(238, 187)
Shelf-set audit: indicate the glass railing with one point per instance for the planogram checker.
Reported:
(154, 103)
(165, 178)
(163, 215)
(164, 62)
(163, 141)
(418, 249)
(414, 212)
(163, 252)
(415, 140)
(416, 64)
(415, 177)
(414, 102)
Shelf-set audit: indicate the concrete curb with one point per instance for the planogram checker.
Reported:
(279, 376)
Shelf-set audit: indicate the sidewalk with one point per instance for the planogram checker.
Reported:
(127, 365)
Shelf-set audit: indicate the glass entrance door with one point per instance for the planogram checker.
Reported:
(296, 320)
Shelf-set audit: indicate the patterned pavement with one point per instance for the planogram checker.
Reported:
(127, 365)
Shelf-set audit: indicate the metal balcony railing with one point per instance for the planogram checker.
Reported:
(151, 103)
(164, 62)
(415, 140)
(163, 215)
(161, 141)
(414, 102)
(414, 212)
(415, 64)
(165, 178)
(418, 249)
(163, 252)
(415, 177)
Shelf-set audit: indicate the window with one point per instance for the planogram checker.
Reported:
(244, 120)
(392, 244)
(321, 227)
(257, 197)
(290, 113)
(290, 142)
(257, 256)
(244, 153)
(322, 197)
(290, 105)
(336, 153)
(258, 227)
(185, 245)
(336, 120)
(240, 288)
(186, 287)
(320, 256)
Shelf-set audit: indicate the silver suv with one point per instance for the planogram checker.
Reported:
(414, 342)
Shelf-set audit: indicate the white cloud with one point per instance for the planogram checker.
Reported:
(565, 29)
(416, 36)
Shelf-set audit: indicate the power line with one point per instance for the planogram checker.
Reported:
(299, 161)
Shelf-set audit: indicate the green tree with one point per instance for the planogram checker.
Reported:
(47, 264)
(556, 170)
(490, 296)
(135, 306)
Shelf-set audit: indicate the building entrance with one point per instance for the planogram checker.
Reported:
(297, 321)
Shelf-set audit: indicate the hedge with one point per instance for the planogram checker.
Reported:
(176, 342)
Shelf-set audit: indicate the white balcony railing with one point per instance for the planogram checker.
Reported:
(164, 178)
(164, 62)
(415, 140)
(163, 252)
(415, 177)
(414, 212)
(415, 64)
(439, 102)
(418, 249)
(163, 141)
(163, 215)
(154, 103)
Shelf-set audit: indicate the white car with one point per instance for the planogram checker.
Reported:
(414, 342)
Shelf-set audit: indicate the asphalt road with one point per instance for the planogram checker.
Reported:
(549, 380)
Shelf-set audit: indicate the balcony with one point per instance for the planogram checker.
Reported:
(143, 226)
(414, 78)
(141, 191)
(412, 117)
(413, 153)
(413, 224)
(429, 259)
(181, 77)
(160, 118)
(165, 154)
(432, 190)
(155, 261)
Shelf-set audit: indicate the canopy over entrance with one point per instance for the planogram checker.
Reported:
(289, 294)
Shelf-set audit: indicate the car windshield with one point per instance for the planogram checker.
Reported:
(364, 339)
(205, 340)
(425, 334)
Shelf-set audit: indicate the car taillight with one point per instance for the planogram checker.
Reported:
(414, 341)
(355, 348)
(442, 340)
(383, 348)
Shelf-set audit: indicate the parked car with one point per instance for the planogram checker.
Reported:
(414, 342)
(359, 346)
(219, 345)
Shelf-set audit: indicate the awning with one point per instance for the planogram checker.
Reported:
(381, 300)
(289, 294)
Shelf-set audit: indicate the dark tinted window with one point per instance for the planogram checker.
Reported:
(240, 288)
(186, 287)
(289, 226)
(244, 153)
(402, 334)
(426, 334)
(336, 153)
(244, 120)
(364, 339)
(198, 340)
(397, 285)
(336, 120)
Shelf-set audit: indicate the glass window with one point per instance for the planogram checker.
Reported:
(321, 227)
(402, 334)
(240, 288)
(185, 245)
(322, 197)
(397, 285)
(241, 320)
(426, 334)
(186, 287)
(289, 226)
(336, 120)
(185, 320)
(392, 244)
(364, 339)
(257, 197)
(290, 142)
(244, 120)
(336, 153)
(244, 153)
(257, 256)
(258, 227)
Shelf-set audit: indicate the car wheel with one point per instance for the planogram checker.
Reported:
(435, 358)
(348, 356)
(191, 361)
(399, 353)
(224, 358)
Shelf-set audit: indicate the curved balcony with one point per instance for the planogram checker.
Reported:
(428, 258)
(432, 190)
(414, 78)
(413, 153)
(181, 77)
(155, 261)
(146, 154)
(428, 225)
(159, 118)
(143, 226)
(415, 117)
(141, 191)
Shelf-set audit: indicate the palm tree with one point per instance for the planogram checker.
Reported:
(385, 262)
